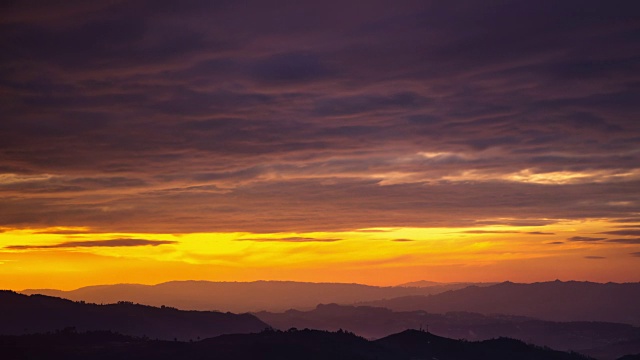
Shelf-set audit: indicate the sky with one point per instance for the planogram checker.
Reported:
(377, 142)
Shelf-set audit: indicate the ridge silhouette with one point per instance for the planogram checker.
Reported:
(20, 314)
(271, 344)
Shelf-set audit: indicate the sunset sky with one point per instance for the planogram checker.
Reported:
(377, 142)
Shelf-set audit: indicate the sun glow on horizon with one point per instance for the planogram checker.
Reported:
(71, 257)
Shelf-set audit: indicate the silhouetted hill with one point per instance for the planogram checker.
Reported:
(557, 301)
(615, 350)
(372, 322)
(267, 345)
(422, 345)
(236, 296)
(20, 314)
(444, 286)
(630, 357)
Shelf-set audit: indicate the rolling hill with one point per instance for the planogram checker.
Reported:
(22, 314)
(371, 322)
(267, 345)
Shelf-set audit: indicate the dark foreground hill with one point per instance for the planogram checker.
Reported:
(555, 301)
(22, 314)
(372, 322)
(293, 344)
(239, 296)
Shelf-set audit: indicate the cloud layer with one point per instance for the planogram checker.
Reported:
(288, 116)
(94, 243)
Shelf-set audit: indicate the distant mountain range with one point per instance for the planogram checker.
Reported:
(239, 296)
(554, 301)
(595, 338)
(267, 345)
(22, 314)
(449, 286)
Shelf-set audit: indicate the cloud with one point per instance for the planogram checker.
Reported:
(290, 239)
(94, 243)
(595, 257)
(636, 254)
(555, 243)
(625, 241)
(627, 220)
(491, 232)
(585, 238)
(403, 240)
(630, 232)
(290, 68)
(507, 232)
(129, 116)
(303, 205)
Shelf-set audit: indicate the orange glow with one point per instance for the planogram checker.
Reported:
(67, 258)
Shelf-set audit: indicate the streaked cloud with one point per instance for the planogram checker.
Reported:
(507, 232)
(586, 238)
(630, 232)
(625, 241)
(290, 239)
(94, 243)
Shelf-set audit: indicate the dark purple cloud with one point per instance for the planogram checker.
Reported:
(585, 238)
(247, 116)
(94, 243)
(630, 232)
(290, 239)
(507, 232)
(625, 241)
(627, 220)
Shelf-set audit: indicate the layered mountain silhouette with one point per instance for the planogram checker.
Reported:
(238, 296)
(631, 357)
(293, 344)
(22, 314)
(447, 286)
(372, 322)
(615, 350)
(555, 301)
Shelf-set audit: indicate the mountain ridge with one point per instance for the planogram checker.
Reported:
(553, 301)
(271, 344)
(22, 314)
(236, 296)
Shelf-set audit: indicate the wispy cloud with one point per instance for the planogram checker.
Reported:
(507, 232)
(290, 239)
(630, 232)
(94, 243)
(585, 238)
(625, 241)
